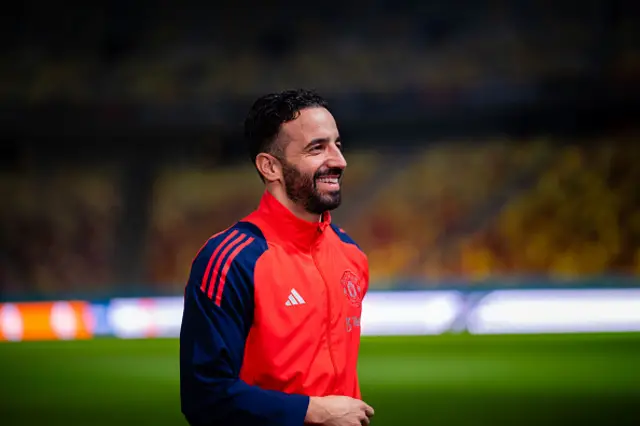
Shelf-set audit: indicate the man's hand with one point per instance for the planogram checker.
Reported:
(338, 411)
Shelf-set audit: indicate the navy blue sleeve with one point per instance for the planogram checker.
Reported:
(344, 237)
(217, 316)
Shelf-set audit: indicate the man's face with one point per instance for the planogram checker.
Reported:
(313, 163)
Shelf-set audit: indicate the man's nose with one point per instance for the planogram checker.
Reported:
(337, 159)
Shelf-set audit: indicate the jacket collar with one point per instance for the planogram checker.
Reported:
(288, 227)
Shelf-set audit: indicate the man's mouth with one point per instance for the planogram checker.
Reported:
(329, 182)
(329, 179)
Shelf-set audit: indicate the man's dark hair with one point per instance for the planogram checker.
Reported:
(269, 112)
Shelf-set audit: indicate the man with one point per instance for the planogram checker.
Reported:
(271, 325)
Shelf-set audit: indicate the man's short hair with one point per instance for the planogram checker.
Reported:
(271, 111)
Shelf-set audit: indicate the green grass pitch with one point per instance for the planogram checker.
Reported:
(438, 380)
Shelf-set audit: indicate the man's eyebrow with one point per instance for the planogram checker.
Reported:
(321, 141)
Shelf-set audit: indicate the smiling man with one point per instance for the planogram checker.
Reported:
(270, 330)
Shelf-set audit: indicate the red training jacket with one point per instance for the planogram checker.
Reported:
(271, 317)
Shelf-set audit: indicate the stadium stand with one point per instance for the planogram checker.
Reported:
(458, 208)
(457, 211)
(580, 218)
(58, 229)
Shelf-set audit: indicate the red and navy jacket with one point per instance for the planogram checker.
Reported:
(271, 317)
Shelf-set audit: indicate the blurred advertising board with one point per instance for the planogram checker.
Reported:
(410, 312)
(555, 311)
(383, 313)
(60, 320)
(144, 318)
(433, 312)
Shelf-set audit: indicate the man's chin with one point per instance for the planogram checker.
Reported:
(331, 200)
(325, 202)
(331, 196)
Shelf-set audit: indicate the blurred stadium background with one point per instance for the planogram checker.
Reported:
(493, 180)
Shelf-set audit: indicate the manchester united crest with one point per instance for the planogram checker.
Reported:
(351, 288)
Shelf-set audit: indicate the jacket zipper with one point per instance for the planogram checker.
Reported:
(333, 362)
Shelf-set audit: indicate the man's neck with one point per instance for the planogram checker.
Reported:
(298, 211)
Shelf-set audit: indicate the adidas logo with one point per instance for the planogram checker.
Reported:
(294, 298)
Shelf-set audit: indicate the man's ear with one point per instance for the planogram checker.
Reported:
(269, 167)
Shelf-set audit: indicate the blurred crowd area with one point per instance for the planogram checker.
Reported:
(57, 229)
(208, 52)
(445, 107)
(542, 208)
(460, 209)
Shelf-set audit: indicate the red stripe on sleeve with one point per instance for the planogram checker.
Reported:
(227, 265)
(203, 286)
(216, 268)
(205, 244)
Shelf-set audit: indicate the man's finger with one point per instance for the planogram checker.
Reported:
(364, 421)
(368, 410)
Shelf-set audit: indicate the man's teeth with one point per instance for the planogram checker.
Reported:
(328, 179)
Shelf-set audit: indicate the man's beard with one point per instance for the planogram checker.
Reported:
(302, 190)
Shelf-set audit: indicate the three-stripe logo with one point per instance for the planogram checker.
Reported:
(220, 261)
(294, 298)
